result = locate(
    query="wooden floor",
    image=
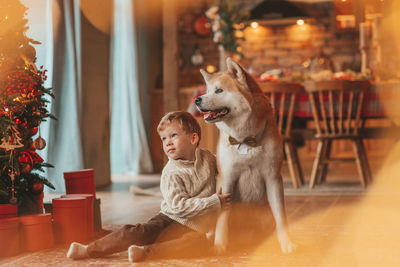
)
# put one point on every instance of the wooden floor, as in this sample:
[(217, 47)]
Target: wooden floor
[(335, 224)]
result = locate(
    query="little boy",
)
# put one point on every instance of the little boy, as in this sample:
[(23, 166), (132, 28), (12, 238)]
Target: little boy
[(188, 188)]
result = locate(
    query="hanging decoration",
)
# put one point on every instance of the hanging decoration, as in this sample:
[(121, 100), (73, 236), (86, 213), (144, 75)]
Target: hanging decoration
[(197, 58), (13, 141), (39, 143), (13, 199)]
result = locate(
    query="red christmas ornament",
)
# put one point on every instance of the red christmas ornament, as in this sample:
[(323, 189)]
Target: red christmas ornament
[(37, 187), (26, 168), (33, 131)]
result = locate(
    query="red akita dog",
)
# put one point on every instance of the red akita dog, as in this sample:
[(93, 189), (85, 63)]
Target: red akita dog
[(250, 147)]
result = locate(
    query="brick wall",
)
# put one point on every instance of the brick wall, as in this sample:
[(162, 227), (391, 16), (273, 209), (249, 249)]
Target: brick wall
[(289, 47)]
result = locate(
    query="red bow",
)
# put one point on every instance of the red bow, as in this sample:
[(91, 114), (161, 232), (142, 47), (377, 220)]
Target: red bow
[(29, 157)]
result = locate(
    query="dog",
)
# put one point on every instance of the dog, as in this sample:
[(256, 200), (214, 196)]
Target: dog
[(249, 151)]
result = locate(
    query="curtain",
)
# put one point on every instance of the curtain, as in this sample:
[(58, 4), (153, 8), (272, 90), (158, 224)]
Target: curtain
[(129, 147), (64, 137)]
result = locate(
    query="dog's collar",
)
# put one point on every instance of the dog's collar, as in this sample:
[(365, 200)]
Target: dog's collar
[(249, 140)]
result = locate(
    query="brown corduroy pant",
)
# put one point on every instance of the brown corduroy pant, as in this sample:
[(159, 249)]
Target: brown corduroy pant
[(160, 228)]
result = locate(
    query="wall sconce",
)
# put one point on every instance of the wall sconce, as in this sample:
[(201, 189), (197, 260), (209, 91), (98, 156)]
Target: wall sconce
[(254, 24), (300, 22)]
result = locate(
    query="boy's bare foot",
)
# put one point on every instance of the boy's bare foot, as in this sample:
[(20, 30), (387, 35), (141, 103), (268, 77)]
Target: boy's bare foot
[(77, 251), (136, 253)]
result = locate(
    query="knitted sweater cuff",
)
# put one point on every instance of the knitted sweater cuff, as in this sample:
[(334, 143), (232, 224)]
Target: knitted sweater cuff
[(214, 202)]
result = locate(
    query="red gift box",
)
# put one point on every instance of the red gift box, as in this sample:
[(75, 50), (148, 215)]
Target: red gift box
[(9, 236), (36, 232), (80, 182), (89, 205), (70, 219), (8, 210)]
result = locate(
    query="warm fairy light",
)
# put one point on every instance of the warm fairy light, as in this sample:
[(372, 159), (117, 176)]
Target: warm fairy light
[(236, 57), (344, 1), (239, 34), (239, 49), (254, 24), (300, 22), (211, 68), (239, 26)]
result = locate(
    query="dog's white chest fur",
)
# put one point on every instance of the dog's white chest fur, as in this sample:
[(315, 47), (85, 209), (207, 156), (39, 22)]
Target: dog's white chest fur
[(249, 170)]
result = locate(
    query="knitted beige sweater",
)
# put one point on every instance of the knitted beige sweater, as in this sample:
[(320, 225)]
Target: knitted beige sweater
[(188, 189)]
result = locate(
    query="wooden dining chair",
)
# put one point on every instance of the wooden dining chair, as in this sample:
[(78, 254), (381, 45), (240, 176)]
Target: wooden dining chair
[(336, 108), (282, 96)]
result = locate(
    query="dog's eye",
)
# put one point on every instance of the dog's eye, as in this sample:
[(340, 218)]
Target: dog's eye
[(218, 91)]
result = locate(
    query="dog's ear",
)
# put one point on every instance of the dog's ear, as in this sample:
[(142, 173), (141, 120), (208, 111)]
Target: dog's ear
[(206, 75), (236, 71)]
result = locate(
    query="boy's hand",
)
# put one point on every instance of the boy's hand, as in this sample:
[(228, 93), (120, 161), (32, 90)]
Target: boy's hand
[(225, 199)]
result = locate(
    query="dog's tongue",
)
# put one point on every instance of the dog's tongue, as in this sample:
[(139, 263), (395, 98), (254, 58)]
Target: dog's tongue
[(207, 115)]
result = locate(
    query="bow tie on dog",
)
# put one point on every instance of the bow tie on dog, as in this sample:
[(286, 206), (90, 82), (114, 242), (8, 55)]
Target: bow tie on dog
[(243, 147), (250, 141)]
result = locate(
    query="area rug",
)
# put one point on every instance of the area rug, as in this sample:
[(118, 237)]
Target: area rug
[(319, 244), (56, 256)]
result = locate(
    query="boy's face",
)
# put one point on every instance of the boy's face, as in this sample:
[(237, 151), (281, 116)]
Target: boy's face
[(178, 144)]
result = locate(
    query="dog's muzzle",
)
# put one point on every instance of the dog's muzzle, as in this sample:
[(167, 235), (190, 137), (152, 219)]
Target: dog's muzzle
[(210, 115)]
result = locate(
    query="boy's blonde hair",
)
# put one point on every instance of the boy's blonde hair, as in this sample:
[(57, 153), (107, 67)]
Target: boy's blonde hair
[(188, 123)]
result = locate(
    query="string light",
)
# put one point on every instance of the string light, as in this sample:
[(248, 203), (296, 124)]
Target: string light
[(211, 68), (254, 24), (300, 22)]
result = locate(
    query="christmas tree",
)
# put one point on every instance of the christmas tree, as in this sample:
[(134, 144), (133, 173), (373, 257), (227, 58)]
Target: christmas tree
[(22, 108)]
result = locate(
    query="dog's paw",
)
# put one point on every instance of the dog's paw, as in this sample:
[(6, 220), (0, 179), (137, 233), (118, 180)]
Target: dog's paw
[(221, 239), (219, 249), (287, 246)]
